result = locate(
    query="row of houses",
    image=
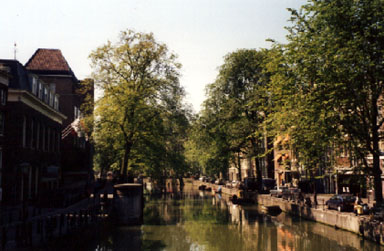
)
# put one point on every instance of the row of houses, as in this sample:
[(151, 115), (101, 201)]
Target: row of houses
[(280, 163), (43, 150)]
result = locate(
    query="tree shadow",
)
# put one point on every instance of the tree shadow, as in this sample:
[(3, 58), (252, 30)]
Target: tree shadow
[(152, 245)]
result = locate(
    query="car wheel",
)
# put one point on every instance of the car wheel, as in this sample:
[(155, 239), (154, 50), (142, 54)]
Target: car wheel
[(339, 208)]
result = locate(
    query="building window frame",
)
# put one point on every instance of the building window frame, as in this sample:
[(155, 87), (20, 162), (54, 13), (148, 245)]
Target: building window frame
[(46, 94), (51, 99), (34, 85), (32, 140), (43, 138), (41, 90), (2, 123), (56, 103), (24, 132), (37, 135), (48, 139), (3, 96)]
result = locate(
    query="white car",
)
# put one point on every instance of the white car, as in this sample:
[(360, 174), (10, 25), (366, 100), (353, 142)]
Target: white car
[(278, 191)]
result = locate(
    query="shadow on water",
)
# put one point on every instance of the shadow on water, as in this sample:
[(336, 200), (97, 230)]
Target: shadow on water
[(153, 245), (200, 221)]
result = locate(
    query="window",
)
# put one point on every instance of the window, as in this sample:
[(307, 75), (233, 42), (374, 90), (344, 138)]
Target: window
[(34, 85), (40, 90), (32, 142), (43, 139), (51, 99), (53, 143), (2, 123), (56, 106), (48, 139), (24, 132), (46, 94), (58, 141), (1, 166), (38, 136), (3, 96)]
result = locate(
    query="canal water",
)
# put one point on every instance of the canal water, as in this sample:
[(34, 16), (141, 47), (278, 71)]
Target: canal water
[(196, 220)]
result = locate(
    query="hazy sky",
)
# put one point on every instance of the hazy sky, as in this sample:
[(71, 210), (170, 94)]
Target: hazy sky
[(200, 32)]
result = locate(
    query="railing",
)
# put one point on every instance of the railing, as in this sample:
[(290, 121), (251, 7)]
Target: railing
[(37, 227)]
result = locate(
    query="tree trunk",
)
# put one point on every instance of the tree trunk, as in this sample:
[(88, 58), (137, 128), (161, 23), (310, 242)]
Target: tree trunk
[(181, 181), (124, 171), (378, 186), (377, 179), (239, 165), (259, 178)]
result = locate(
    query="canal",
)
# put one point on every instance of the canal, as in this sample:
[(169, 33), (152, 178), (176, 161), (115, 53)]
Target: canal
[(196, 220)]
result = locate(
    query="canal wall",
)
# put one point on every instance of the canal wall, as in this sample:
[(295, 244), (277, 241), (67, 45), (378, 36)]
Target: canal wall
[(362, 225), (346, 221)]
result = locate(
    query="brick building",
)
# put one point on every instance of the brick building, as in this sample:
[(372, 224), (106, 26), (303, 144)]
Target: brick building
[(32, 131), (4, 82), (76, 162)]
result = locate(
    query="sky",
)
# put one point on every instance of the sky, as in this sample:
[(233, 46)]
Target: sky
[(200, 32)]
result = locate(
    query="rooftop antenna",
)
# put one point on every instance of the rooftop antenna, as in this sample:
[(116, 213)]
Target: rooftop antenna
[(14, 50)]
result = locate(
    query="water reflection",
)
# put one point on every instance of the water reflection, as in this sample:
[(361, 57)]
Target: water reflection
[(199, 221)]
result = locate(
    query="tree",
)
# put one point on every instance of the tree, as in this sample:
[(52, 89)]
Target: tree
[(139, 80), (335, 57), (207, 150), (236, 108), (300, 111)]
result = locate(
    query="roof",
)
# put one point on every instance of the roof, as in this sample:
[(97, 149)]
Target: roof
[(19, 76), (50, 61)]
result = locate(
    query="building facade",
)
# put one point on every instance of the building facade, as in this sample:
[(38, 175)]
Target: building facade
[(32, 131), (4, 82), (76, 151)]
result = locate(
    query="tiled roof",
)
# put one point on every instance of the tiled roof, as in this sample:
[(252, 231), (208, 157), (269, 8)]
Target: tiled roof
[(48, 60)]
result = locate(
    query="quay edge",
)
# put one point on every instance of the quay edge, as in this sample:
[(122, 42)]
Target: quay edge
[(360, 225)]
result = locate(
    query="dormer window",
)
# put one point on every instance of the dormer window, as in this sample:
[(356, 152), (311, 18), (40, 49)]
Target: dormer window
[(51, 98), (46, 95), (56, 105), (40, 90), (34, 85)]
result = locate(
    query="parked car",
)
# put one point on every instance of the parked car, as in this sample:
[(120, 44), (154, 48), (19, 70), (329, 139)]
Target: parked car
[(341, 202), (278, 191), (291, 193), (267, 185)]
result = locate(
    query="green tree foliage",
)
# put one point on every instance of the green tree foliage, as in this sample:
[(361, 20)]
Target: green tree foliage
[(231, 124), (206, 149), (332, 73), (140, 119), (86, 92)]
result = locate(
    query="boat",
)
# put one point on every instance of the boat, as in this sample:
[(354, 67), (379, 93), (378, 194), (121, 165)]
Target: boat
[(271, 210), (240, 201)]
